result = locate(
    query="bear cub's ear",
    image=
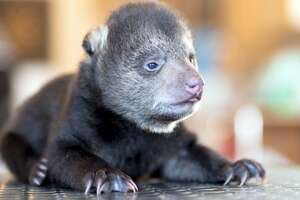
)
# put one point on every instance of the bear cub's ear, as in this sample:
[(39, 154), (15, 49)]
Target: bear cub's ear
[(95, 40)]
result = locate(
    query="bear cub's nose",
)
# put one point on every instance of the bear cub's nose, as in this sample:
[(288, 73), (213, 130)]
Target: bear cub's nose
[(194, 86)]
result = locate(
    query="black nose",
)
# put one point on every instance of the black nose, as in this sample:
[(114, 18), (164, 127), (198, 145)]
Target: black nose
[(194, 86)]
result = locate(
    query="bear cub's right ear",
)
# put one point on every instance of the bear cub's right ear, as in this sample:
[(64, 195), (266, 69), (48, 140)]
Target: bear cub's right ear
[(95, 40)]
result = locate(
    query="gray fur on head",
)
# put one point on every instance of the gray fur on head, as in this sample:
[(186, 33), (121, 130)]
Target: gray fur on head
[(134, 35)]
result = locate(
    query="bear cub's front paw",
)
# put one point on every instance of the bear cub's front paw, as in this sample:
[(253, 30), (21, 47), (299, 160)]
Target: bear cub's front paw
[(243, 170), (109, 180)]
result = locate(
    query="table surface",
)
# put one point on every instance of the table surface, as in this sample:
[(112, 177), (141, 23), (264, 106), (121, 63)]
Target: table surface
[(283, 183)]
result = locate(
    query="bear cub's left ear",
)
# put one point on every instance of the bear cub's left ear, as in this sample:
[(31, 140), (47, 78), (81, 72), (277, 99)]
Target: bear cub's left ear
[(95, 40)]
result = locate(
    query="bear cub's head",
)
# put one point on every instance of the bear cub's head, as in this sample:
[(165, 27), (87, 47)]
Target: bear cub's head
[(146, 66)]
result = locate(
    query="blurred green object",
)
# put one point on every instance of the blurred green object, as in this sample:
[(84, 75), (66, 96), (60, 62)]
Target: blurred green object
[(279, 85)]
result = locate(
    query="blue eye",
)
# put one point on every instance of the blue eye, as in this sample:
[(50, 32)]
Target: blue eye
[(152, 66)]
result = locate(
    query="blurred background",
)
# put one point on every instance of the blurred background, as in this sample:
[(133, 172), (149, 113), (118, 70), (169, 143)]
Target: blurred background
[(248, 52)]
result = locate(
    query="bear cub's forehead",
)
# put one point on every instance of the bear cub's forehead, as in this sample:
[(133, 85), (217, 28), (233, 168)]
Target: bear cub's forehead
[(149, 17)]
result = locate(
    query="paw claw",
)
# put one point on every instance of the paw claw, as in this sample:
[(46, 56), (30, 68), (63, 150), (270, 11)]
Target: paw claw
[(36, 182), (88, 186), (108, 180), (258, 179), (44, 161), (243, 179), (243, 170), (134, 185), (38, 172), (229, 178), (100, 188)]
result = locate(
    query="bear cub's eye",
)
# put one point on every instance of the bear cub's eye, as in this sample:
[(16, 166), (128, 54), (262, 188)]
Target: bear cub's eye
[(192, 59), (154, 65)]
